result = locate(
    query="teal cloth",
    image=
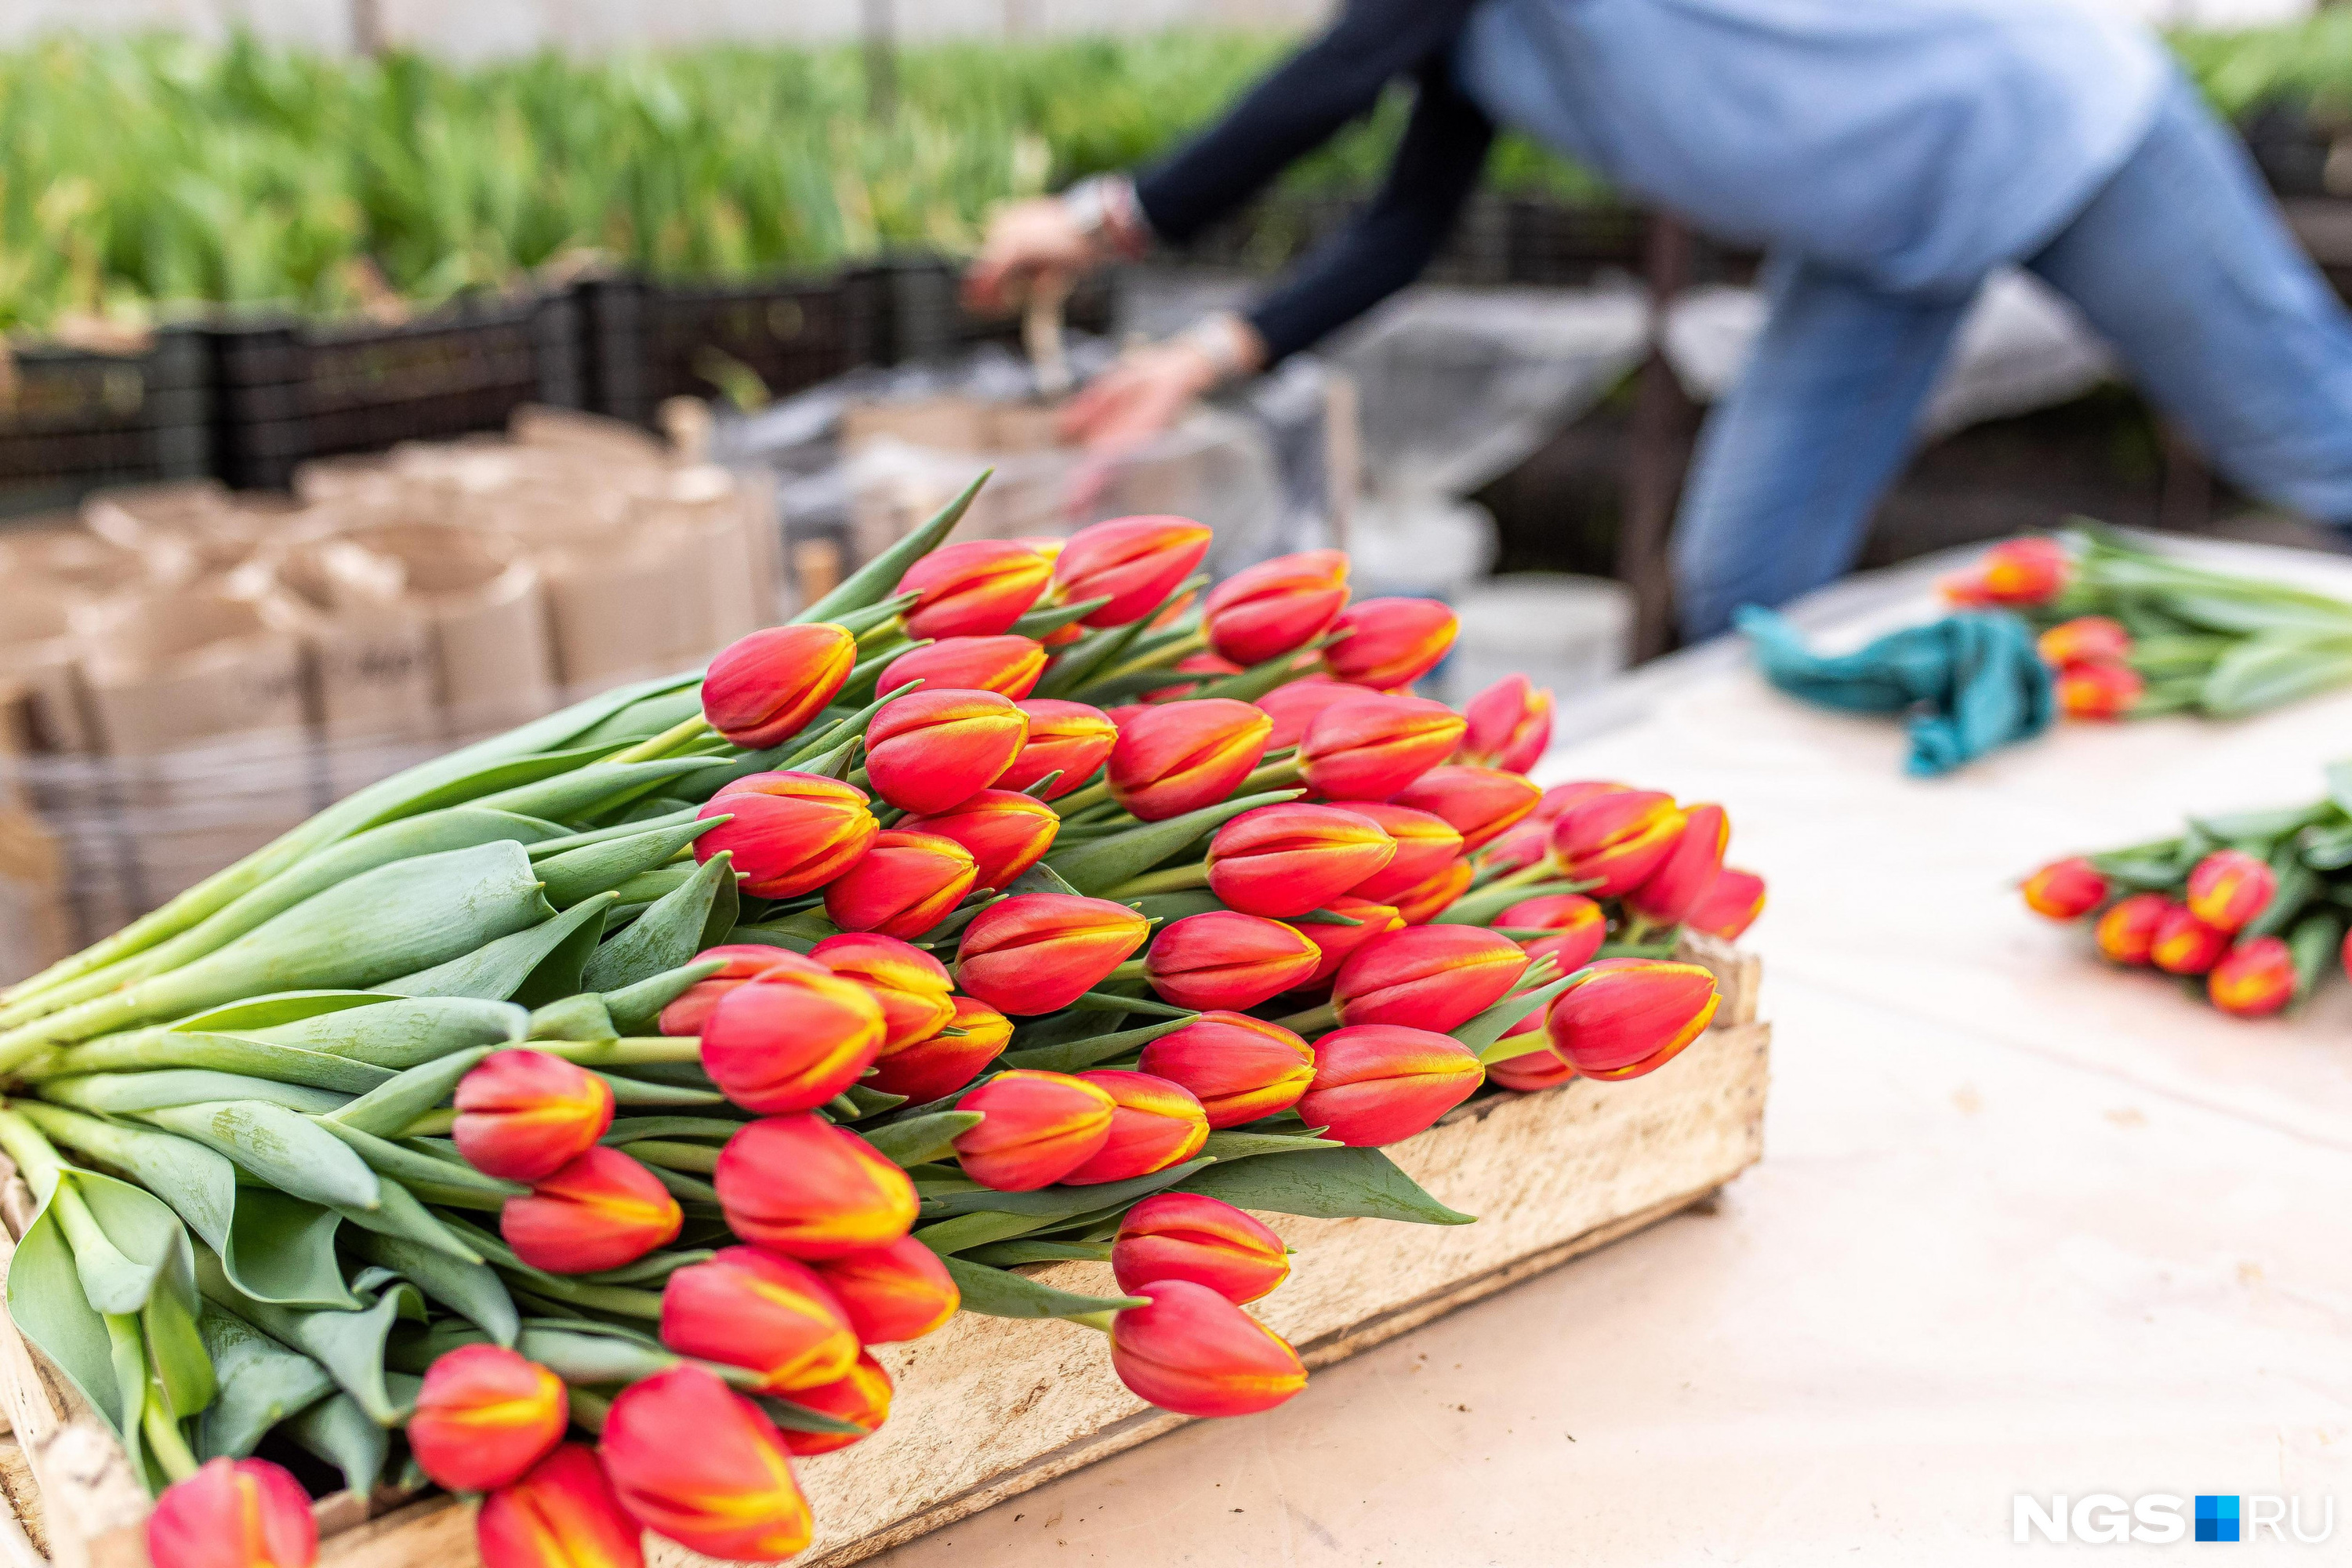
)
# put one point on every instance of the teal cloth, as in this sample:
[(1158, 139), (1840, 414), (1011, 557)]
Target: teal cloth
[(1971, 682)]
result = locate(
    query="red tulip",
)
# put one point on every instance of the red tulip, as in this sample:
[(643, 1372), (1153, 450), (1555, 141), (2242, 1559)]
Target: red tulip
[(1196, 1353), (523, 1115), (1425, 843), (1539, 1070), (1005, 665), (1424, 902), (1730, 906), (694, 1461), (484, 1415), (1511, 725), (2127, 933), (2065, 890), (1427, 977), (1277, 606), (1616, 839), (1371, 746), (2017, 572), (790, 1041), (1005, 831), (2085, 639), (1582, 925), (862, 1398), (1560, 797), (1153, 1124), (1068, 738), (1227, 959), (901, 1291), (932, 749), (939, 1063), (1381, 1083), (908, 985), (1294, 706), (234, 1513), (809, 1190), (599, 1211), (792, 833), (1521, 846), (905, 884), (1171, 760), (2185, 944), (751, 1309), (1689, 870), (1334, 944), (1040, 1127), (1038, 952), (1287, 859), (977, 587), (2254, 979), (1183, 1236), (2099, 691), (762, 689), (1480, 804), (1626, 1016), (1389, 643), (1239, 1068), (2229, 888), (562, 1514), (1136, 561), (743, 960)]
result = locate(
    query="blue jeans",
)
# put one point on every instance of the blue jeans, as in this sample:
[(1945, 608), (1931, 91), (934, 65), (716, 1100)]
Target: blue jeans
[(2180, 262)]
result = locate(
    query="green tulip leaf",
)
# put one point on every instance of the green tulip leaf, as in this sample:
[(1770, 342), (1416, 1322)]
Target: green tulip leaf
[(879, 578), (1000, 1293), (472, 1291), (349, 1345), (279, 1147), (923, 1139), (145, 1049), (1329, 1184), (339, 1431), (1228, 1146), (1105, 863), (794, 1417), (668, 935), (635, 1009), (399, 1032), (499, 970), (1485, 1032), (1059, 1202), (1076, 1055), (121, 1093), (261, 1384), (388, 1109)]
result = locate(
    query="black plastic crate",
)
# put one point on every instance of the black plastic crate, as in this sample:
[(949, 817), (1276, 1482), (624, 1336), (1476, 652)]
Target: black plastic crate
[(73, 421), (289, 391), (648, 341), (917, 315), (1556, 244)]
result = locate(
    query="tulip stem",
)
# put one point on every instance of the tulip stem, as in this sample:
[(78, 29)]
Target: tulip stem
[(624, 1052), (1160, 658), (1322, 1017), (1520, 878), (662, 744), (432, 1124), (1098, 1321), (589, 1409), (164, 1439), (1133, 969), (1078, 800), (675, 1156), (1274, 775), (1173, 880)]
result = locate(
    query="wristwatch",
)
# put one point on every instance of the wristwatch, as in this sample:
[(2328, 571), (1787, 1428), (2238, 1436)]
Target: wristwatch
[(1104, 209)]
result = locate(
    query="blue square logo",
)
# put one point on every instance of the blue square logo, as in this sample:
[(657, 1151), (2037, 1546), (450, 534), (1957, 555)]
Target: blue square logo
[(2217, 1518)]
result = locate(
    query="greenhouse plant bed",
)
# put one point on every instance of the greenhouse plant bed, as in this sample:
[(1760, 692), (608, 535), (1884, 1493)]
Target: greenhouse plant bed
[(989, 1407), (73, 421)]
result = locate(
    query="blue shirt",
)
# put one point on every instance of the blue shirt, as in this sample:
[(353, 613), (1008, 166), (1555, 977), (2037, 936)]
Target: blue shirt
[(1915, 143)]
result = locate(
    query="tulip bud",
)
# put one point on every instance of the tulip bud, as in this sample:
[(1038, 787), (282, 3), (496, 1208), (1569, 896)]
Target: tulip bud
[(905, 885), (2229, 888), (978, 587), (930, 750), (1389, 643), (1040, 1127), (1560, 797), (1038, 952), (1730, 906), (2254, 979), (1287, 859), (908, 985), (1136, 561), (1616, 839), (1582, 925), (2017, 572), (1511, 725), (1005, 665), (1293, 707), (1371, 746), (2185, 944), (1419, 905), (1005, 831), (1239, 1068), (1227, 959), (752, 1308), (901, 1291), (1196, 1353), (1425, 843), (1171, 760), (599, 1211), (743, 960), (1154, 1124), (2127, 933), (1277, 606), (809, 1190), (790, 1041), (1545, 1069), (234, 1513), (484, 1415), (1183, 1236), (561, 1514), (1626, 1016), (1067, 738), (694, 1461), (2065, 890), (862, 1398), (1480, 804), (1334, 944), (2098, 690), (792, 833), (1381, 1083), (762, 689), (939, 1063), (522, 1114), (1427, 977), (1689, 870), (1526, 845), (2085, 639)]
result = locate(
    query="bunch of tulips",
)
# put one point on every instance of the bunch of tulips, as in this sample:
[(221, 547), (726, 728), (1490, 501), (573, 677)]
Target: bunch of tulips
[(2128, 633), (565, 1121), (2251, 906)]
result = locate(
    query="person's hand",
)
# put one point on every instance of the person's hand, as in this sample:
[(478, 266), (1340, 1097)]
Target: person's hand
[(1024, 239), (1139, 396)]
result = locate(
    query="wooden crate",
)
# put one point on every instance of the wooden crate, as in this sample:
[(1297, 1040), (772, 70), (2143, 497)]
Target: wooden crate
[(989, 1407)]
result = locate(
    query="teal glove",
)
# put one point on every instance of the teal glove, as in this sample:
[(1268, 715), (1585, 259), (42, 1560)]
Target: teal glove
[(1971, 682)]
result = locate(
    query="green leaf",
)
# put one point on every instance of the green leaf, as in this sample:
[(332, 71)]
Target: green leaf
[(498, 970), (148, 1049), (585, 791), (349, 1345), (2262, 828), (1040, 879), (1107, 862), (1000, 1293), (1476, 909), (1011, 1254), (1331, 1183), (635, 1009), (2269, 670), (1038, 625), (665, 936), (398, 1033), (2315, 942), (879, 578), (1484, 1033), (638, 1090), (279, 1147), (1228, 1146), (794, 1417), (119, 1093), (1060, 1203), (970, 1230), (1076, 1055), (405, 1165), (46, 1304), (924, 1138), (400, 1214), (387, 1110), (1165, 908), (472, 1291), (261, 1384), (339, 1431)]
